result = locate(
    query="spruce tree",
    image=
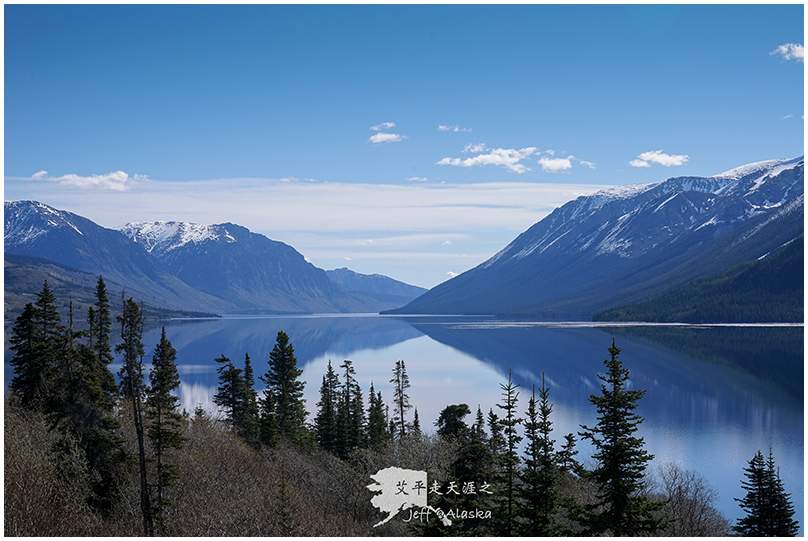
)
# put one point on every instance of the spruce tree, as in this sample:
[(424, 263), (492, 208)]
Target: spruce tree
[(768, 507), (28, 365), (566, 456), (350, 412), (165, 424), (377, 432), (230, 393), (401, 400), (38, 342), (450, 422), (540, 476), (284, 413), (325, 422), (132, 387), (620, 509), (507, 478), (248, 416)]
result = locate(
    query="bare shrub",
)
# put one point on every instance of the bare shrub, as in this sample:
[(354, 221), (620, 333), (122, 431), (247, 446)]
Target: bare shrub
[(45, 480), (689, 504)]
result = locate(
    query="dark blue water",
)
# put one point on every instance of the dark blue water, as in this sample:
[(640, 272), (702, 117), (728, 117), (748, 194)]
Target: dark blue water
[(715, 395)]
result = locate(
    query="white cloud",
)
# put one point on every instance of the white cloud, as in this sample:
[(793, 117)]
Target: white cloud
[(452, 274), (383, 126), (393, 229), (587, 164), (791, 51), (479, 147), (454, 128), (386, 138), (447, 243), (787, 117), (554, 165), (117, 180), (506, 157), (657, 156), (296, 179), (417, 179)]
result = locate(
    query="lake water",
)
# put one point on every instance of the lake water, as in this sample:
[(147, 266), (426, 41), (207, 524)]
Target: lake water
[(715, 394)]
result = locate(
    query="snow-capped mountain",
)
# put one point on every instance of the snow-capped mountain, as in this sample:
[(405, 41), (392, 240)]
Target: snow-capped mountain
[(222, 268), (37, 230), (625, 244), (246, 268)]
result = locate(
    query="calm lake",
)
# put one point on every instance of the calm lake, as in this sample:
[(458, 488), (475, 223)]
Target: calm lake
[(715, 394)]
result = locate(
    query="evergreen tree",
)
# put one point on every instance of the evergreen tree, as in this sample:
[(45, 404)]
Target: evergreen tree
[(769, 511), (566, 456), (29, 366), (496, 442), (82, 402), (38, 341), (100, 319), (230, 393), (377, 432), (478, 428), (621, 460), (450, 421), (325, 423), (507, 478), (416, 424), (540, 475), (131, 375), (401, 400), (452, 428), (284, 413), (165, 423), (350, 415), (62, 377), (247, 421)]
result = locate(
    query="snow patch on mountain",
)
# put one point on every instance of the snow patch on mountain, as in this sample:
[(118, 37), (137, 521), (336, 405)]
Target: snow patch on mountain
[(163, 237), (26, 221)]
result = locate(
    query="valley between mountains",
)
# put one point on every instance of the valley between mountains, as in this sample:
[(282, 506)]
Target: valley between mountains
[(701, 249)]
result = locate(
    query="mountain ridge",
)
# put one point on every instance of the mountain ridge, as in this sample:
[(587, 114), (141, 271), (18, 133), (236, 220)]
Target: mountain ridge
[(219, 268), (565, 265)]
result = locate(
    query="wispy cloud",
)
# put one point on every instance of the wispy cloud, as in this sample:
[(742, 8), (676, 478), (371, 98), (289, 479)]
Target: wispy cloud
[(116, 180), (386, 138), (657, 156), (791, 51), (417, 179), (559, 165), (383, 137), (454, 128), (555, 165), (505, 157), (399, 226), (474, 148), (383, 126)]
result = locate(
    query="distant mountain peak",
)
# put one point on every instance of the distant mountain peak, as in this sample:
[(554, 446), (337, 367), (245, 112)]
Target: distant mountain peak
[(27, 221), (161, 237), (630, 241)]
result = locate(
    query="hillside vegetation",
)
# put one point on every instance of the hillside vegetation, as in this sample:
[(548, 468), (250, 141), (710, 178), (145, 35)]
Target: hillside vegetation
[(769, 290)]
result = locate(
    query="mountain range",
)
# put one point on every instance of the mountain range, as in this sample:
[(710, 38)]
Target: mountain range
[(628, 244), (609, 250), (175, 266)]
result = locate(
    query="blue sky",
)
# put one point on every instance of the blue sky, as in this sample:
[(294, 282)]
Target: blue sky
[(412, 141)]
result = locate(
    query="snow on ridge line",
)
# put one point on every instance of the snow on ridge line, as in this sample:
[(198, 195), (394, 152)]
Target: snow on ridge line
[(750, 168), (166, 236)]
